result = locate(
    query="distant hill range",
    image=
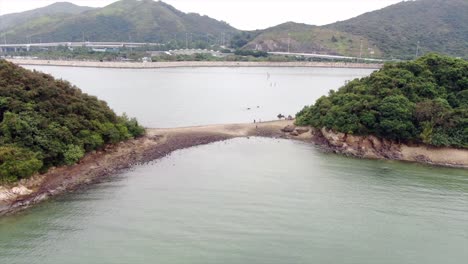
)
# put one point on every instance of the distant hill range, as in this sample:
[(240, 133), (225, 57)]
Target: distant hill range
[(125, 20), (57, 11), (394, 31), (438, 25), (400, 30)]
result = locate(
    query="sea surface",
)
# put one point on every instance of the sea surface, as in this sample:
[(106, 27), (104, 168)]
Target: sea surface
[(246, 200), (201, 96)]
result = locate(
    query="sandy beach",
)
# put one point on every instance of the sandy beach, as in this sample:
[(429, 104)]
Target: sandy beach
[(181, 64), (157, 143)]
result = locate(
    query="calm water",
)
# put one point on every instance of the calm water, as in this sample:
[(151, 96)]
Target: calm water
[(252, 201), (245, 200), (201, 96)]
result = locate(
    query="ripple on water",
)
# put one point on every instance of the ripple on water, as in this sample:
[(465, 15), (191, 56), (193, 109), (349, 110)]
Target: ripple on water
[(252, 201)]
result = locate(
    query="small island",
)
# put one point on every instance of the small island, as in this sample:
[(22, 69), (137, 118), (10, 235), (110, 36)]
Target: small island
[(416, 102)]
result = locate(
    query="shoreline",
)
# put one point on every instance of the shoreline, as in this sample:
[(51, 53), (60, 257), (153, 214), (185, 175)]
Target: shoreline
[(157, 143), (189, 64)]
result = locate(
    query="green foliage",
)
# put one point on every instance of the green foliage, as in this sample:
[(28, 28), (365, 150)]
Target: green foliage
[(253, 53), (419, 101), (132, 125), (73, 154), (241, 39), (51, 123), (17, 163)]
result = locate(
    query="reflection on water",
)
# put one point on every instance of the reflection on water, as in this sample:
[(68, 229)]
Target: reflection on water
[(252, 201)]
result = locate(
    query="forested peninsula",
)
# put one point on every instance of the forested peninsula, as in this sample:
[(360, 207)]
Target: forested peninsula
[(424, 101), (46, 122)]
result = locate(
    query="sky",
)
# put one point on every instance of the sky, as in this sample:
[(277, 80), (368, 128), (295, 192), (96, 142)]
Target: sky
[(243, 14)]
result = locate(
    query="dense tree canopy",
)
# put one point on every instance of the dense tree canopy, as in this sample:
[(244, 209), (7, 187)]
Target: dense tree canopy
[(46, 122), (425, 100)]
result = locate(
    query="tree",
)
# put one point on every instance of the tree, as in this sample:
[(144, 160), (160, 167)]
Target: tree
[(17, 163)]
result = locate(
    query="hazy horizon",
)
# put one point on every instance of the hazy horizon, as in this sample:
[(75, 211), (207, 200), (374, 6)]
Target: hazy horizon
[(242, 14)]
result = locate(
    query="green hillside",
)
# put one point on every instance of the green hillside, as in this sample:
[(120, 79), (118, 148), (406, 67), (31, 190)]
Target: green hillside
[(125, 20), (60, 10), (46, 122), (438, 25), (425, 100), (392, 32), (312, 39)]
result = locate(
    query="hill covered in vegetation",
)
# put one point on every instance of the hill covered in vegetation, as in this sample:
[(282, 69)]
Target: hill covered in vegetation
[(297, 37), (57, 11), (46, 122), (437, 25), (421, 101), (392, 32), (124, 20)]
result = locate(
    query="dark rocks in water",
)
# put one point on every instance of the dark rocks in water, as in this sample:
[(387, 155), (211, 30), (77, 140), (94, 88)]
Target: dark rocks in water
[(288, 128), (302, 130), (294, 133)]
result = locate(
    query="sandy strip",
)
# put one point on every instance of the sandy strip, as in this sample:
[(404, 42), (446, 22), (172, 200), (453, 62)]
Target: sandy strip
[(180, 64), (97, 166)]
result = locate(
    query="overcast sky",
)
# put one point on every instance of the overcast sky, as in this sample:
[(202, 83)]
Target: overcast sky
[(243, 14)]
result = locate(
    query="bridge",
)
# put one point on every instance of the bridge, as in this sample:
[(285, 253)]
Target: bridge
[(324, 56), (28, 46)]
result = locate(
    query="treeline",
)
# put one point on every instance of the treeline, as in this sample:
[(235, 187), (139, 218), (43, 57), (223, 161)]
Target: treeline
[(425, 100), (47, 122)]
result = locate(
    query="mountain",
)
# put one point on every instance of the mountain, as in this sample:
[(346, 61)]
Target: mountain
[(125, 20), (394, 31), (58, 10), (311, 39), (438, 25)]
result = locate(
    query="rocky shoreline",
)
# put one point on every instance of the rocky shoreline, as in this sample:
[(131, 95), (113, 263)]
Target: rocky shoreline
[(371, 147), (157, 143)]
